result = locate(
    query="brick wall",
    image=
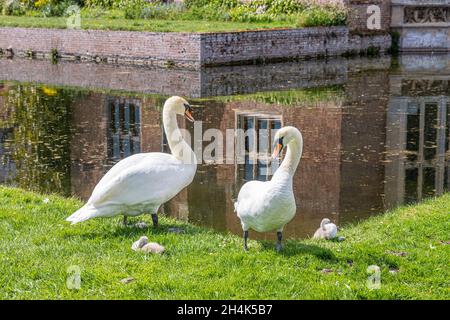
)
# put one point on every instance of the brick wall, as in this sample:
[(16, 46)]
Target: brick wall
[(122, 47), (187, 50), (253, 46), (88, 149)]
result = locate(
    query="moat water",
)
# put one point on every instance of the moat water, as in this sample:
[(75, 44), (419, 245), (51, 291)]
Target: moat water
[(376, 131)]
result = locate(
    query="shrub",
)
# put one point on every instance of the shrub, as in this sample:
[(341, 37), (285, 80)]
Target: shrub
[(57, 8), (13, 8), (321, 16), (100, 3), (224, 4)]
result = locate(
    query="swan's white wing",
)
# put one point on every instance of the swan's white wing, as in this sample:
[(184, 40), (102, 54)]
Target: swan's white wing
[(251, 198), (331, 230), (264, 206), (120, 167), (152, 178)]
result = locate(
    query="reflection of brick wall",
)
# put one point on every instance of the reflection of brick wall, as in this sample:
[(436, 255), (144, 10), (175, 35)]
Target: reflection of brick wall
[(102, 76), (4, 112), (3, 109), (89, 143), (151, 124), (363, 138)]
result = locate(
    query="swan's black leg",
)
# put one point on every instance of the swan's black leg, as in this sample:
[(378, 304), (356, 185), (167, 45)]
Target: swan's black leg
[(279, 237), (245, 240), (125, 220), (155, 219)]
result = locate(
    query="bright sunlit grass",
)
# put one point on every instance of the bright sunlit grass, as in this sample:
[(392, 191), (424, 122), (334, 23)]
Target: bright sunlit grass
[(140, 24), (410, 245)]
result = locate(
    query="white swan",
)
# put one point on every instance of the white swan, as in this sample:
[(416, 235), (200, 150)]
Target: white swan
[(270, 205), (143, 182), (327, 230)]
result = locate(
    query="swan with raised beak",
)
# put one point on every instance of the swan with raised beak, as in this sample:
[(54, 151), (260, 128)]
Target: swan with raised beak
[(144, 181), (270, 205)]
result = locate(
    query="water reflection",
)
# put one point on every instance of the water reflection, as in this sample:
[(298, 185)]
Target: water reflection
[(378, 140)]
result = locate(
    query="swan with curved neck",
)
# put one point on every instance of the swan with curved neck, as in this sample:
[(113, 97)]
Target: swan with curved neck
[(144, 181), (270, 205), (179, 148)]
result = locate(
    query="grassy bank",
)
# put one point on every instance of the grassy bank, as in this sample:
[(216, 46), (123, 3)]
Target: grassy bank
[(410, 245), (155, 25)]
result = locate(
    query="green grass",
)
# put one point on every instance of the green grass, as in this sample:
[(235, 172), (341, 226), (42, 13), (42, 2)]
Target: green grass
[(37, 247), (153, 25)]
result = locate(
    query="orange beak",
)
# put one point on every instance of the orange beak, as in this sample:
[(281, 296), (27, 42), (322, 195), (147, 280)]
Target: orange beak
[(277, 150), (188, 115)]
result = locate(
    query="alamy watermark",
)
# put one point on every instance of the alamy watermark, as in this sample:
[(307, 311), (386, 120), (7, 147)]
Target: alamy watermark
[(73, 14), (213, 146), (73, 280), (374, 280), (374, 18)]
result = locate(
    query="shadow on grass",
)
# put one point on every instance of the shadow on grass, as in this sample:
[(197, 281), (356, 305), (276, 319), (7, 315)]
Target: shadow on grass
[(128, 231), (293, 248), (107, 230)]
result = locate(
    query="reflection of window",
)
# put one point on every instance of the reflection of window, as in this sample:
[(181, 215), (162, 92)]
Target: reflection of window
[(427, 140), (256, 133), (413, 132), (430, 130), (124, 128)]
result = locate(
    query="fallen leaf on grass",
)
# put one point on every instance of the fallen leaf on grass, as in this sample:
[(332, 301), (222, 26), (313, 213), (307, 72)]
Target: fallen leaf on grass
[(326, 270), (127, 280), (397, 253), (393, 270)]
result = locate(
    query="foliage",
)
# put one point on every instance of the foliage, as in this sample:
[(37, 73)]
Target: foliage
[(46, 8), (321, 17), (13, 8), (303, 12), (37, 112), (294, 97)]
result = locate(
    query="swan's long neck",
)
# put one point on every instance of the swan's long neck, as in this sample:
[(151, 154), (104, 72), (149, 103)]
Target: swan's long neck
[(292, 158), (179, 148)]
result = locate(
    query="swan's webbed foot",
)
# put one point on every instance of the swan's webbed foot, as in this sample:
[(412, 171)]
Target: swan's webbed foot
[(245, 240), (279, 246), (155, 219)]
